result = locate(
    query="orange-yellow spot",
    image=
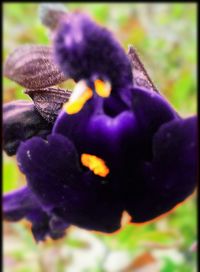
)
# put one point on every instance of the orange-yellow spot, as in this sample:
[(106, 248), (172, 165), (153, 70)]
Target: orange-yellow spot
[(102, 88), (74, 106), (95, 164), (125, 219)]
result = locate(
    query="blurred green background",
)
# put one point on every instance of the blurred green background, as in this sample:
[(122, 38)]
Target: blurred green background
[(165, 37)]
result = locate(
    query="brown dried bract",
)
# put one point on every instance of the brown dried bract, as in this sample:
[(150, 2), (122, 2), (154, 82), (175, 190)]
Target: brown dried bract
[(32, 67), (140, 75), (49, 101)]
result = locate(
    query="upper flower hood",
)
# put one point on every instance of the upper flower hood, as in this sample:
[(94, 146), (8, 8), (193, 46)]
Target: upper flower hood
[(85, 50)]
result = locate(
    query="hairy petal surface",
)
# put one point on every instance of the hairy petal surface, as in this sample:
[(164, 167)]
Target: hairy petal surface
[(85, 50)]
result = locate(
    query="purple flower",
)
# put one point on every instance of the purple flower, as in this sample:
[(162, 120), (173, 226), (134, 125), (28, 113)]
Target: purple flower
[(116, 145)]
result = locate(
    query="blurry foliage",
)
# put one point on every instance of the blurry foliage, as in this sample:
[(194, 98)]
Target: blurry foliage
[(165, 38)]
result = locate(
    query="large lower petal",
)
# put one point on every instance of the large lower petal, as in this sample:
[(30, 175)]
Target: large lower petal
[(65, 188), (50, 166)]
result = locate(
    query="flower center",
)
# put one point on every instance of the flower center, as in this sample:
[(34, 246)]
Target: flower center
[(82, 93), (95, 164)]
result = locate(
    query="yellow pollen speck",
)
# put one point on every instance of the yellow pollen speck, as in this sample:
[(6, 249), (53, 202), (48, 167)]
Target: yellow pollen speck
[(102, 88), (74, 106), (95, 164)]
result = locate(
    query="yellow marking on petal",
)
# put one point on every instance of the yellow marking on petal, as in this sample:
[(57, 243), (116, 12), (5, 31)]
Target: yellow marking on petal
[(95, 164), (125, 219), (79, 97), (102, 88), (77, 105)]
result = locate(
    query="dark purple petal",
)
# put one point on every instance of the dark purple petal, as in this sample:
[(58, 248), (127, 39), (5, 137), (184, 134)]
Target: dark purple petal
[(73, 126), (76, 195), (54, 227), (151, 111), (51, 166), (18, 204), (21, 121), (175, 148), (85, 50), (172, 175), (104, 136), (23, 204)]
